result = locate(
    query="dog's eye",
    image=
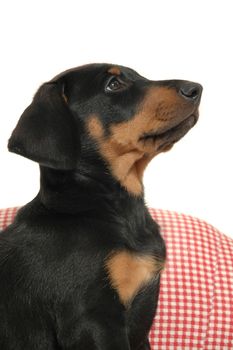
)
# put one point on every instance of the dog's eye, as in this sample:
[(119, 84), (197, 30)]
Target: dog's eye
[(114, 84)]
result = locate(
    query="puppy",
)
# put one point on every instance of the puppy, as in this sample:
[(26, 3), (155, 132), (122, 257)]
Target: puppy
[(80, 265)]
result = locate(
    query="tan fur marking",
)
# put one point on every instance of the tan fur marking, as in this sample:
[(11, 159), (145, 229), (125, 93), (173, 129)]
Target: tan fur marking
[(120, 157), (114, 71), (129, 272), (95, 128), (161, 109)]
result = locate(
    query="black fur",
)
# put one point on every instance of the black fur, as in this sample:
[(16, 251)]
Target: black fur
[(55, 291)]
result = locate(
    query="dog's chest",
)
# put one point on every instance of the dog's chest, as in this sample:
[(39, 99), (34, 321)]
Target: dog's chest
[(128, 272)]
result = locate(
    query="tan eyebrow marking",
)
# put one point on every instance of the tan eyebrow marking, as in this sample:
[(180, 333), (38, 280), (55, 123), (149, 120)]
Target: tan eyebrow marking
[(114, 71)]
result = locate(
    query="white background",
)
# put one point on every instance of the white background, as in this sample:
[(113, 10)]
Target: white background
[(161, 40)]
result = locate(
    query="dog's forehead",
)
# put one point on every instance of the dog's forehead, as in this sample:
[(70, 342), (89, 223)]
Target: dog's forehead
[(125, 71), (96, 70)]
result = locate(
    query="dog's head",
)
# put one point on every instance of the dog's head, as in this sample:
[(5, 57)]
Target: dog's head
[(105, 114)]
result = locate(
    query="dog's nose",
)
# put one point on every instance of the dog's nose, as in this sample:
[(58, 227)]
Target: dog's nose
[(191, 91)]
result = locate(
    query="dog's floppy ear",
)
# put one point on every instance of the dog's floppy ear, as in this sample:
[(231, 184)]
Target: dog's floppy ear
[(47, 132)]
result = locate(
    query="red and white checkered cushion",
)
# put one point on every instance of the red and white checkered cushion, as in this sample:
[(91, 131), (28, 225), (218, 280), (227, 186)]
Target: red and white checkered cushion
[(196, 296)]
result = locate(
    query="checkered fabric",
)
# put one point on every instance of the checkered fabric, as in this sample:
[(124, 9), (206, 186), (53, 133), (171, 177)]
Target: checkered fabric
[(196, 297)]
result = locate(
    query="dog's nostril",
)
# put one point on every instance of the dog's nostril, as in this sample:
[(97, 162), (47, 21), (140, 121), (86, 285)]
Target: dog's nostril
[(191, 90)]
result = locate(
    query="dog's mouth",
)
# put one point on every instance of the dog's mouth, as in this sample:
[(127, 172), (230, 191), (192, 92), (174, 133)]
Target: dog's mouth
[(169, 136)]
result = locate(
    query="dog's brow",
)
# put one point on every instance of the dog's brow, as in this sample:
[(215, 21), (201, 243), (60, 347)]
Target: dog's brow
[(114, 71)]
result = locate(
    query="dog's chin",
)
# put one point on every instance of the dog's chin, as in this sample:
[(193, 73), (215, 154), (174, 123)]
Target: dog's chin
[(165, 140)]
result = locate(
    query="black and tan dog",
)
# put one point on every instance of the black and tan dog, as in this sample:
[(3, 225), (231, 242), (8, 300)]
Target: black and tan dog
[(80, 265)]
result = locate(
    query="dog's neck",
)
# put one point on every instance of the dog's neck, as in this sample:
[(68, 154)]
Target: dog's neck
[(72, 192)]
